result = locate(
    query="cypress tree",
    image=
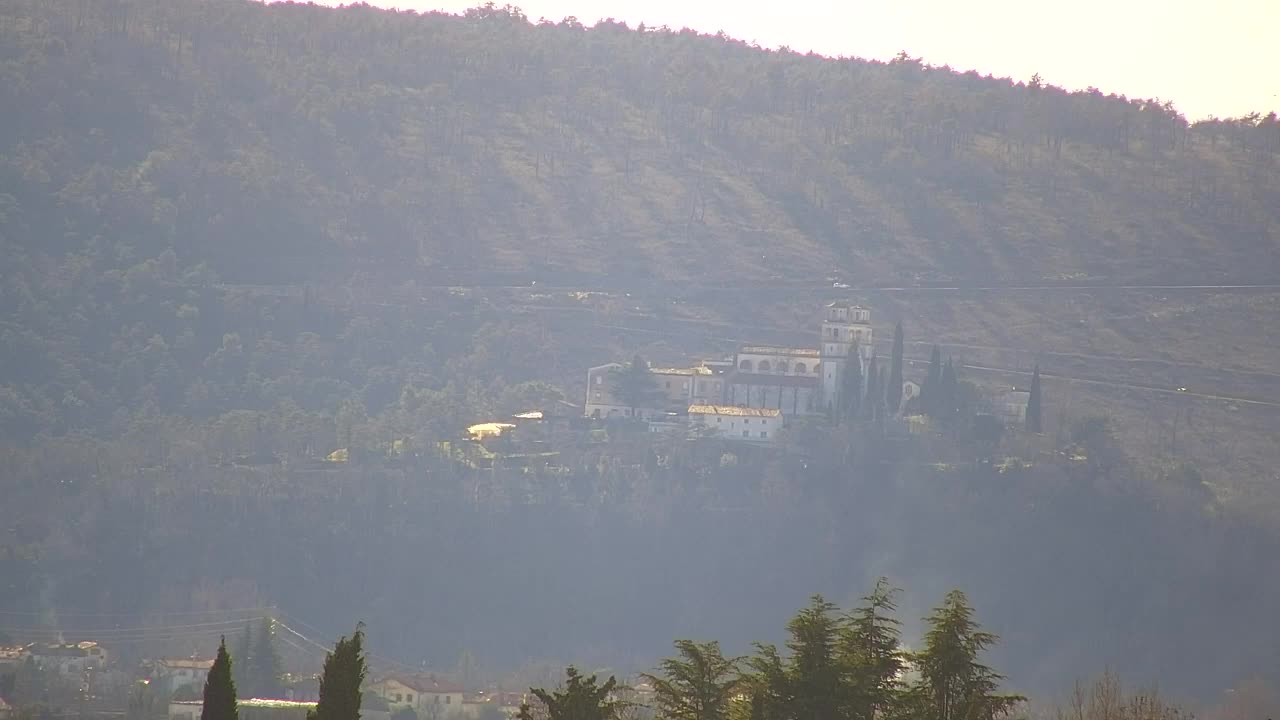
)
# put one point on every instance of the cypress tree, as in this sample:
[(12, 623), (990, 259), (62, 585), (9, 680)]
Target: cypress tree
[(220, 689), (894, 392), (875, 393), (851, 386), (1033, 404), (930, 390), (948, 396), (344, 671), (813, 673)]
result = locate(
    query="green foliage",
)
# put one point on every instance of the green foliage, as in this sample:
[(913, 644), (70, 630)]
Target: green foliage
[(636, 387), (953, 683), (344, 673), (581, 698), (220, 689), (894, 391), (698, 684), (871, 657)]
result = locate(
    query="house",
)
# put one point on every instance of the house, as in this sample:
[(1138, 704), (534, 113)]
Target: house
[(69, 658), (738, 423), (507, 703), (675, 389), (1010, 406), (258, 709), (429, 696), (171, 675)]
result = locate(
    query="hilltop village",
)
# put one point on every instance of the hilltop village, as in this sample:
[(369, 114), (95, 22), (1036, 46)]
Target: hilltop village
[(761, 389)]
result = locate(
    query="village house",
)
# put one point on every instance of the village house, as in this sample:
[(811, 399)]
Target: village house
[(69, 658), (173, 674), (429, 696), (1011, 406), (507, 703), (737, 423)]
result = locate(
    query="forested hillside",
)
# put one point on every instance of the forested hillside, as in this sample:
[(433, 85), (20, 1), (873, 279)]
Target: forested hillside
[(238, 237)]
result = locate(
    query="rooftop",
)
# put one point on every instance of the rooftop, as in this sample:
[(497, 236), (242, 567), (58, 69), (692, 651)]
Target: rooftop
[(187, 663), (681, 371), (776, 350), (732, 410)]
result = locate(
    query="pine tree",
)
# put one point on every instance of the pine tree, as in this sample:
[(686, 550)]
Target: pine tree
[(580, 699), (344, 672), (699, 684), (1033, 422), (265, 669), (220, 689), (953, 684), (894, 392), (767, 685), (813, 672), (871, 657), (636, 387)]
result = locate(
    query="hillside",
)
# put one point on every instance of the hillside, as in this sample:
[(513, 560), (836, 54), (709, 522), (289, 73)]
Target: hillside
[(240, 236)]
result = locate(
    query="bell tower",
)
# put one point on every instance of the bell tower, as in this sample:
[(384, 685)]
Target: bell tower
[(844, 327)]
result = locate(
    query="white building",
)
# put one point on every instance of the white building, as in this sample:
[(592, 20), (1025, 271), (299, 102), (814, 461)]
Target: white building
[(69, 658), (429, 696), (738, 423), (179, 673), (844, 327)]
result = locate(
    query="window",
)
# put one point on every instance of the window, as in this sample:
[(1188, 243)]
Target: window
[(448, 699), (782, 366), (763, 366), (746, 433), (408, 697), (764, 434), (745, 365), (801, 369), (668, 384), (397, 697), (717, 420), (599, 379)]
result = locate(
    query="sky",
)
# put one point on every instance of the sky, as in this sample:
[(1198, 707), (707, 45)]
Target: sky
[(1210, 57)]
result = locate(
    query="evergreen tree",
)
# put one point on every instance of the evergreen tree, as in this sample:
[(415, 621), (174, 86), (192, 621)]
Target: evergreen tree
[(265, 671), (871, 403), (220, 689), (344, 672), (871, 657), (893, 396), (813, 672), (851, 386), (767, 686), (953, 683), (580, 699), (949, 391), (636, 387), (699, 684), (1033, 422), (244, 662), (929, 391)]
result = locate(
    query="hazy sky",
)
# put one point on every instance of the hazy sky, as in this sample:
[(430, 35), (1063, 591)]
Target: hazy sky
[(1211, 57)]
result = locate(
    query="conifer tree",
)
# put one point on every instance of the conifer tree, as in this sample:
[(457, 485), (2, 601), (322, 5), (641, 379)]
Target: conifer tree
[(949, 392), (930, 390), (580, 699), (953, 683), (813, 673), (875, 393), (698, 684), (871, 657), (344, 672), (851, 386), (893, 397), (220, 689), (1033, 422)]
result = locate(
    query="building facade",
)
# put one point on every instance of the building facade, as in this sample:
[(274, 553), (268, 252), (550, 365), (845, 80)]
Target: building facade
[(737, 423)]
